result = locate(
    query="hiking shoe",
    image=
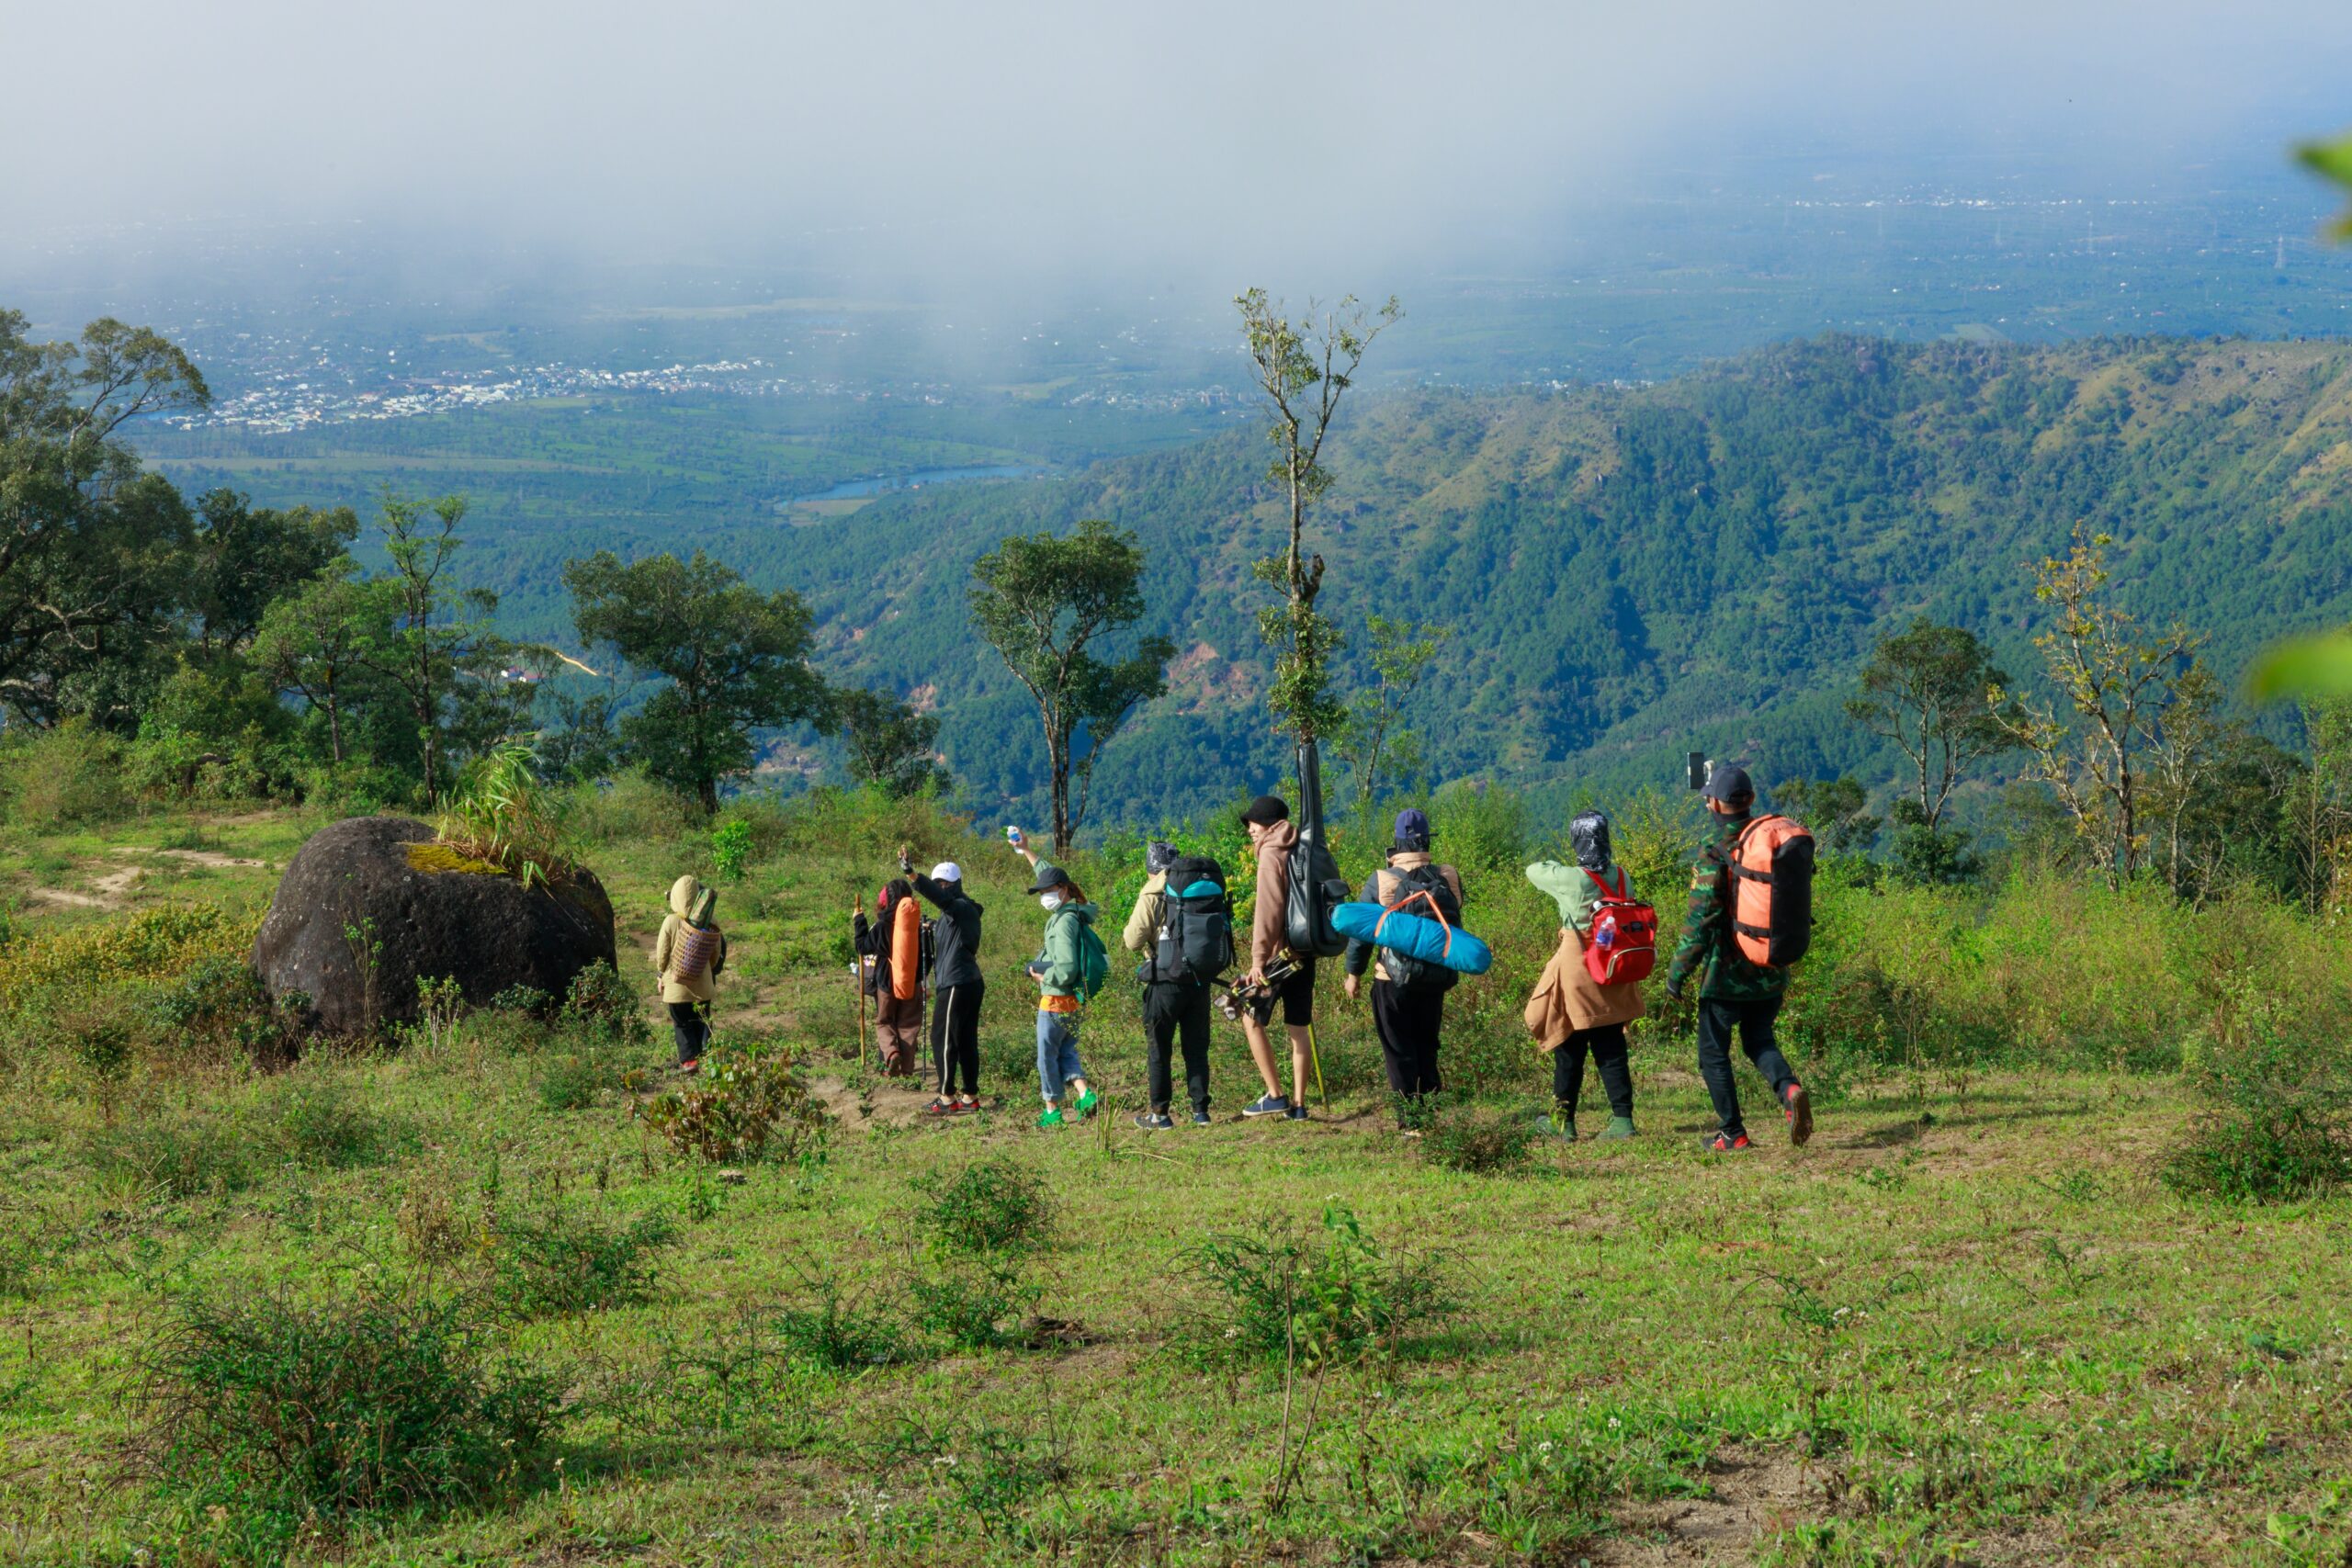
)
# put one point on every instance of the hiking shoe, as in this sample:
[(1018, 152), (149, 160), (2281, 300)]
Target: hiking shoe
[(1619, 1127), (942, 1108), (965, 1106), (1153, 1121), (1800, 1114), (1052, 1117), (1267, 1105), (1200, 1117), (1088, 1101), (1728, 1143), (1296, 1114)]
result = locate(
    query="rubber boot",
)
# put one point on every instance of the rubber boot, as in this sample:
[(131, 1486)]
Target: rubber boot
[(1562, 1124), (1619, 1127)]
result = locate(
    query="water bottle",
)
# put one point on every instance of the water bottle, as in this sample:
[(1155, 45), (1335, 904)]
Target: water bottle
[(1013, 835)]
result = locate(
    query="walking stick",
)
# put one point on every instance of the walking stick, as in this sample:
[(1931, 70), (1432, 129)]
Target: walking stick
[(1315, 1057), (857, 989)]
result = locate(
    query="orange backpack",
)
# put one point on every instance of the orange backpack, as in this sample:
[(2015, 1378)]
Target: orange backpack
[(906, 949), (1771, 888)]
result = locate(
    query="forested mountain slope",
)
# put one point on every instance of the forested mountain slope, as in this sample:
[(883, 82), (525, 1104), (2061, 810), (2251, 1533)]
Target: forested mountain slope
[(1629, 571)]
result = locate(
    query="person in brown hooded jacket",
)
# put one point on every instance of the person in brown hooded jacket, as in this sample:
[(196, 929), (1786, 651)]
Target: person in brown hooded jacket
[(1274, 836), (688, 954)]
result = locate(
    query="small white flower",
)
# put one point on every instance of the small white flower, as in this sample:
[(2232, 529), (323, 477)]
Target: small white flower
[(1612, 1423)]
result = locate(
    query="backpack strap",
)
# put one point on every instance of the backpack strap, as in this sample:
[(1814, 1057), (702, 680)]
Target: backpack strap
[(1739, 846), (1436, 913), (1618, 892)]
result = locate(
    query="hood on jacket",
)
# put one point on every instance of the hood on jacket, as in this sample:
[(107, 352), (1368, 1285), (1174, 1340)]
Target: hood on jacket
[(1085, 912), (1588, 837), (690, 900), (1282, 837)]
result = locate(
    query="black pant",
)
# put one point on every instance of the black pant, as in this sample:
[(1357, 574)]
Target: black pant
[(1607, 1047), (1754, 1023), (690, 1027), (955, 1036), (1174, 1009), (1407, 1019)]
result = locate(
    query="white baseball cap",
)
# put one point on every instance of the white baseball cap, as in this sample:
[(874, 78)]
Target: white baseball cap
[(948, 871)]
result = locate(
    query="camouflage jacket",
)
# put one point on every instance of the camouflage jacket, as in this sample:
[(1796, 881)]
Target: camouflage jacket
[(1707, 948)]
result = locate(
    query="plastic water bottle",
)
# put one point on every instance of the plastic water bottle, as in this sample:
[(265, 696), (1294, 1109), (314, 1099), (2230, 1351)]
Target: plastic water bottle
[(1013, 835)]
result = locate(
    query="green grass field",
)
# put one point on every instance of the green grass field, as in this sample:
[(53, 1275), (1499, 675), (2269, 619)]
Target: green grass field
[(1967, 1325)]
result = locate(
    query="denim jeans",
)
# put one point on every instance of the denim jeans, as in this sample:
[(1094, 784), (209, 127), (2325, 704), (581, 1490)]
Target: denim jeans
[(1754, 1023), (1056, 1054)]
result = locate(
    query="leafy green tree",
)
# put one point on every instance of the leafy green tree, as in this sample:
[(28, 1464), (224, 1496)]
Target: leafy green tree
[(1928, 855), (92, 549), (584, 742), (891, 746), (438, 652), (1303, 368), (1924, 689), (246, 558), (2117, 685), (319, 643), (1043, 601), (1376, 742), (1838, 810), (735, 660)]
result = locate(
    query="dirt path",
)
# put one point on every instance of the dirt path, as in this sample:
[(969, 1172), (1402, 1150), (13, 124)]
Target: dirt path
[(1755, 1489)]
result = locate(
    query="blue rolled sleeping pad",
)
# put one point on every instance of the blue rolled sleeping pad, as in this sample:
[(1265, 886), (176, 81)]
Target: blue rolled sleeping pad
[(1415, 936)]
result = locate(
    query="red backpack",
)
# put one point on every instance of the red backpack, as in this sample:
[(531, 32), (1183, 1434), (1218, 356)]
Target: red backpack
[(1621, 947)]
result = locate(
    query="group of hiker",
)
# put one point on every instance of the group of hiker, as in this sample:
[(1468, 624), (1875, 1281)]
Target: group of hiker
[(1746, 922)]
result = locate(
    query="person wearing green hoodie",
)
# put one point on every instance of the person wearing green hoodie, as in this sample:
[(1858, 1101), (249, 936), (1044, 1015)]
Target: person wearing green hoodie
[(1060, 969), (1596, 1014)]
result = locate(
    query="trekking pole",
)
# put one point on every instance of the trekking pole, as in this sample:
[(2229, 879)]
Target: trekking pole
[(1315, 1058), (857, 990)]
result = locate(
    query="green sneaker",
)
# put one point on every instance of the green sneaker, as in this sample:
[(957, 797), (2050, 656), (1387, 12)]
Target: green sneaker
[(1052, 1117), (1088, 1101), (1619, 1127)]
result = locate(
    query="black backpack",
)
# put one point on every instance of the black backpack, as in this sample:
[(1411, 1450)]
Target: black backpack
[(1404, 971), (1194, 941), (1316, 885)]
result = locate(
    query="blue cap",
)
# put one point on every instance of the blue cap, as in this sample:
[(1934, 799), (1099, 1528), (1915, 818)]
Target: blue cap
[(1412, 830)]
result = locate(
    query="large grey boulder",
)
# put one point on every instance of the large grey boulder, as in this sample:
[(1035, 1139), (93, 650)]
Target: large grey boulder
[(489, 932)]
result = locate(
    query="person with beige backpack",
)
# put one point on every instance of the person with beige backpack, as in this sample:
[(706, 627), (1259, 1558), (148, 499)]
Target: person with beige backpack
[(1592, 987)]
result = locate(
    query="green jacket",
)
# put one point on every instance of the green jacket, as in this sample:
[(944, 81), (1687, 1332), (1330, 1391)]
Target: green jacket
[(1573, 888), (1061, 965), (1707, 943)]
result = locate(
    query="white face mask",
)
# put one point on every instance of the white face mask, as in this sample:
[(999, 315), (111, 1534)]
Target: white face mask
[(1051, 900)]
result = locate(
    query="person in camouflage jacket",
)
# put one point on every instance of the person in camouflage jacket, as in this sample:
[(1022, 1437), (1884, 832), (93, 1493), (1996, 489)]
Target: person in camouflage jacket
[(1734, 994)]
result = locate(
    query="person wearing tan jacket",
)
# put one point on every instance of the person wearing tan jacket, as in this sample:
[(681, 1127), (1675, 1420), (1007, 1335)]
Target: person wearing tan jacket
[(1274, 836), (1407, 1008), (1573, 1015), (688, 954)]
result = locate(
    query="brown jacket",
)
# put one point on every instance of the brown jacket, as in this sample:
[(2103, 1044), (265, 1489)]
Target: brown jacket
[(1268, 924), (1568, 998)]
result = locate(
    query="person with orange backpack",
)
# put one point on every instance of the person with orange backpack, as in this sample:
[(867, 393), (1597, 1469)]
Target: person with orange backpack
[(891, 947), (1750, 917), (1592, 987)]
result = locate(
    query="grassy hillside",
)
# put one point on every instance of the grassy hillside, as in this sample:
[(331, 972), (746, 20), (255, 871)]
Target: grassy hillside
[(1630, 572), (1971, 1322)]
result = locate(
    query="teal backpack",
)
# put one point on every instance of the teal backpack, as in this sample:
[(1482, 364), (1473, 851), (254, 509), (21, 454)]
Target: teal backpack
[(1093, 962)]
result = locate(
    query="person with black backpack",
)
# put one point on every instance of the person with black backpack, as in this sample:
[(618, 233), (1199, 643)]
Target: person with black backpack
[(957, 984), (1409, 994), (1182, 924)]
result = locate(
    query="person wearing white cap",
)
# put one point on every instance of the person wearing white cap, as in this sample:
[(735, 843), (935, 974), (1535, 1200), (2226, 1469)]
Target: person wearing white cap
[(955, 982)]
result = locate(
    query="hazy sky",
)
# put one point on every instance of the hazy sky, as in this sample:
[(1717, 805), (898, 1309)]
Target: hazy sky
[(1034, 134)]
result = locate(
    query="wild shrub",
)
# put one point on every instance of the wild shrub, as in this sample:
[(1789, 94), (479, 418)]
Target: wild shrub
[(176, 1155), (2278, 1124), (559, 1261), (576, 1081), (748, 1100), (155, 944), (998, 1204), (504, 816), (731, 850), (1478, 1139), (68, 774), (968, 1305), (1279, 1296), (528, 1000), (633, 808), (322, 1124), (260, 1412), (219, 1008), (837, 1332), (601, 1000)]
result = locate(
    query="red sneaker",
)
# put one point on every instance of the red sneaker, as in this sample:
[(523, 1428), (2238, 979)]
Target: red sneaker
[(1800, 1114), (940, 1107), (1722, 1144)]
